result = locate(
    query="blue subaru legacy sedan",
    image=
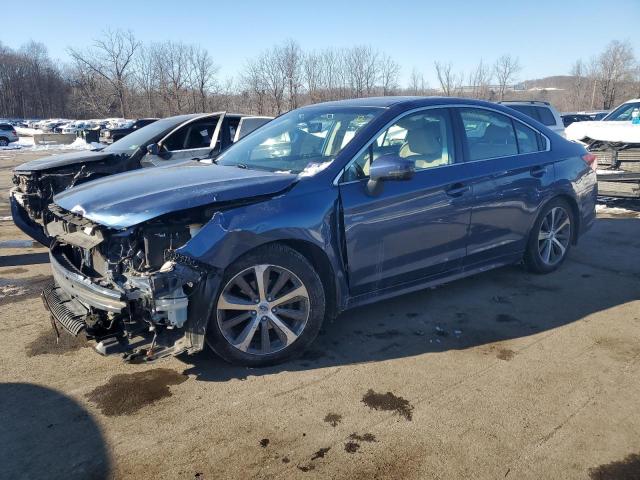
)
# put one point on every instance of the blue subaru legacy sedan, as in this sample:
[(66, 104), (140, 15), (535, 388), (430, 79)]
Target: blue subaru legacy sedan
[(325, 208)]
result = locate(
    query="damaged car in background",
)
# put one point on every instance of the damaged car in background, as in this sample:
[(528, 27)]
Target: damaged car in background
[(169, 141), (615, 141), (323, 209)]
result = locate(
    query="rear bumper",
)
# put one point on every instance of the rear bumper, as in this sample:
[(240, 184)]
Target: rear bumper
[(24, 222)]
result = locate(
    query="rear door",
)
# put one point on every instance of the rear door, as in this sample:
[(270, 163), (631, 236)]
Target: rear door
[(412, 229), (510, 172), (194, 139)]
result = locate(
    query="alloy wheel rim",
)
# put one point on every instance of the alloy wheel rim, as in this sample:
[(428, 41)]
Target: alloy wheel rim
[(263, 309), (554, 236)]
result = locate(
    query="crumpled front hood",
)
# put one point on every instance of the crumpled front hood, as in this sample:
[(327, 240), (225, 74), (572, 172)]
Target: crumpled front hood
[(62, 160), (130, 198), (624, 132)]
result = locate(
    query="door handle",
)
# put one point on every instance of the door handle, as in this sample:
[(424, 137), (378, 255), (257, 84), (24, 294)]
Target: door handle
[(457, 190), (538, 171)]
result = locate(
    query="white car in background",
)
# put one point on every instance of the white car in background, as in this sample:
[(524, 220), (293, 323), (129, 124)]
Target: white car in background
[(615, 141), (540, 111), (77, 126)]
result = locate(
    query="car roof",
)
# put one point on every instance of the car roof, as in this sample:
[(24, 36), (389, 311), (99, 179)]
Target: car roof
[(392, 101)]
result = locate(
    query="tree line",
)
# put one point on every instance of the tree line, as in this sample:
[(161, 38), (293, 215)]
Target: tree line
[(118, 75)]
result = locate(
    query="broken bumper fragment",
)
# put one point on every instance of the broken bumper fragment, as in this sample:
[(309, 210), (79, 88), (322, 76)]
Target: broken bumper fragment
[(144, 319)]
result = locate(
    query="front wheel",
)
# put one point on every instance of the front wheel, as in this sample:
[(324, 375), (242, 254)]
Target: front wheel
[(270, 307), (551, 236)]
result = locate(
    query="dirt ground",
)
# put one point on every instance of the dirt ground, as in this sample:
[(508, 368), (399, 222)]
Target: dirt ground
[(503, 375)]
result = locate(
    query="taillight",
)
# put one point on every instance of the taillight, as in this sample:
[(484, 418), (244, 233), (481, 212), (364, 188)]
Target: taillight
[(591, 160)]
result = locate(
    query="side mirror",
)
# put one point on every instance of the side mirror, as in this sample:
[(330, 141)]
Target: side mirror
[(391, 167), (153, 149), (388, 167)]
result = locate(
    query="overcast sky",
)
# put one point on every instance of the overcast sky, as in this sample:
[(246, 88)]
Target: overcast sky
[(547, 36)]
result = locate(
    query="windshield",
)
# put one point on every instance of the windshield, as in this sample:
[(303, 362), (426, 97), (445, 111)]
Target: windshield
[(623, 112), (302, 140), (144, 135)]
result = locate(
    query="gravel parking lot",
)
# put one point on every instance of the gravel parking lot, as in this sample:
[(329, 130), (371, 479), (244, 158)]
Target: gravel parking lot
[(503, 375)]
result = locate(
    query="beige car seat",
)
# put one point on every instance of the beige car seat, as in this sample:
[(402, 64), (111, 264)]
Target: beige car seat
[(424, 146)]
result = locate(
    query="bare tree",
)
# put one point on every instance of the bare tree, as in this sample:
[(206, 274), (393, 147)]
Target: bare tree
[(389, 74), (290, 59), (479, 81), (145, 77), (450, 82), (505, 70), (417, 85), (255, 86), (110, 58), (203, 72), (312, 75), (614, 66)]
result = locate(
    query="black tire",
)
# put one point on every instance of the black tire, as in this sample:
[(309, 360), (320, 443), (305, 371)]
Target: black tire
[(279, 256), (3, 142), (533, 258)]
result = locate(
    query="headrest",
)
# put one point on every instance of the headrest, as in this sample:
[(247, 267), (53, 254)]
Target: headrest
[(424, 140)]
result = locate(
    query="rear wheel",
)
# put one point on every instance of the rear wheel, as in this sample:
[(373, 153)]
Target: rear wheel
[(270, 307), (4, 142), (550, 239)]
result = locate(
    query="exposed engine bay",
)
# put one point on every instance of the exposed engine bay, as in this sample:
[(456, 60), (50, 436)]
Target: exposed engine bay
[(133, 290), (34, 190)]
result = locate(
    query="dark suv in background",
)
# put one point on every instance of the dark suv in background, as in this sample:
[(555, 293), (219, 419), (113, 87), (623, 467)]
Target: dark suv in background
[(109, 135)]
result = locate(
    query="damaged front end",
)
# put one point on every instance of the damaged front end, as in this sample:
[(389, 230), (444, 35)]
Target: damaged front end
[(618, 167), (128, 289)]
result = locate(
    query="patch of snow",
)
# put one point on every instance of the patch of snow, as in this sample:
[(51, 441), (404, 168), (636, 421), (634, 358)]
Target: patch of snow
[(313, 168), (11, 290), (609, 172), (607, 210), (6, 219), (605, 131), (27, 132), (26, 143)]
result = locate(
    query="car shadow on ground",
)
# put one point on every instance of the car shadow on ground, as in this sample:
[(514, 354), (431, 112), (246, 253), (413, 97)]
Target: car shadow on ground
[(484, 311), (45, 434)]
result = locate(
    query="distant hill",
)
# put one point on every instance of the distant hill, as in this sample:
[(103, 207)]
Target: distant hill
[(561, 82)]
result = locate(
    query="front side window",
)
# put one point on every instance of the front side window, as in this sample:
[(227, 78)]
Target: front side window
[(489, 134), (425, 138), (193, 135), (302, 141)]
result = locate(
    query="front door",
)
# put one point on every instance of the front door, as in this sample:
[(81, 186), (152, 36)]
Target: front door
[(411, 229)]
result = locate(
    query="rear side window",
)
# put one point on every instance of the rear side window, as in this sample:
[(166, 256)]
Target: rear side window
[(546, 117), (527, 110), (5, 126), (488, 134), (529, 140)]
